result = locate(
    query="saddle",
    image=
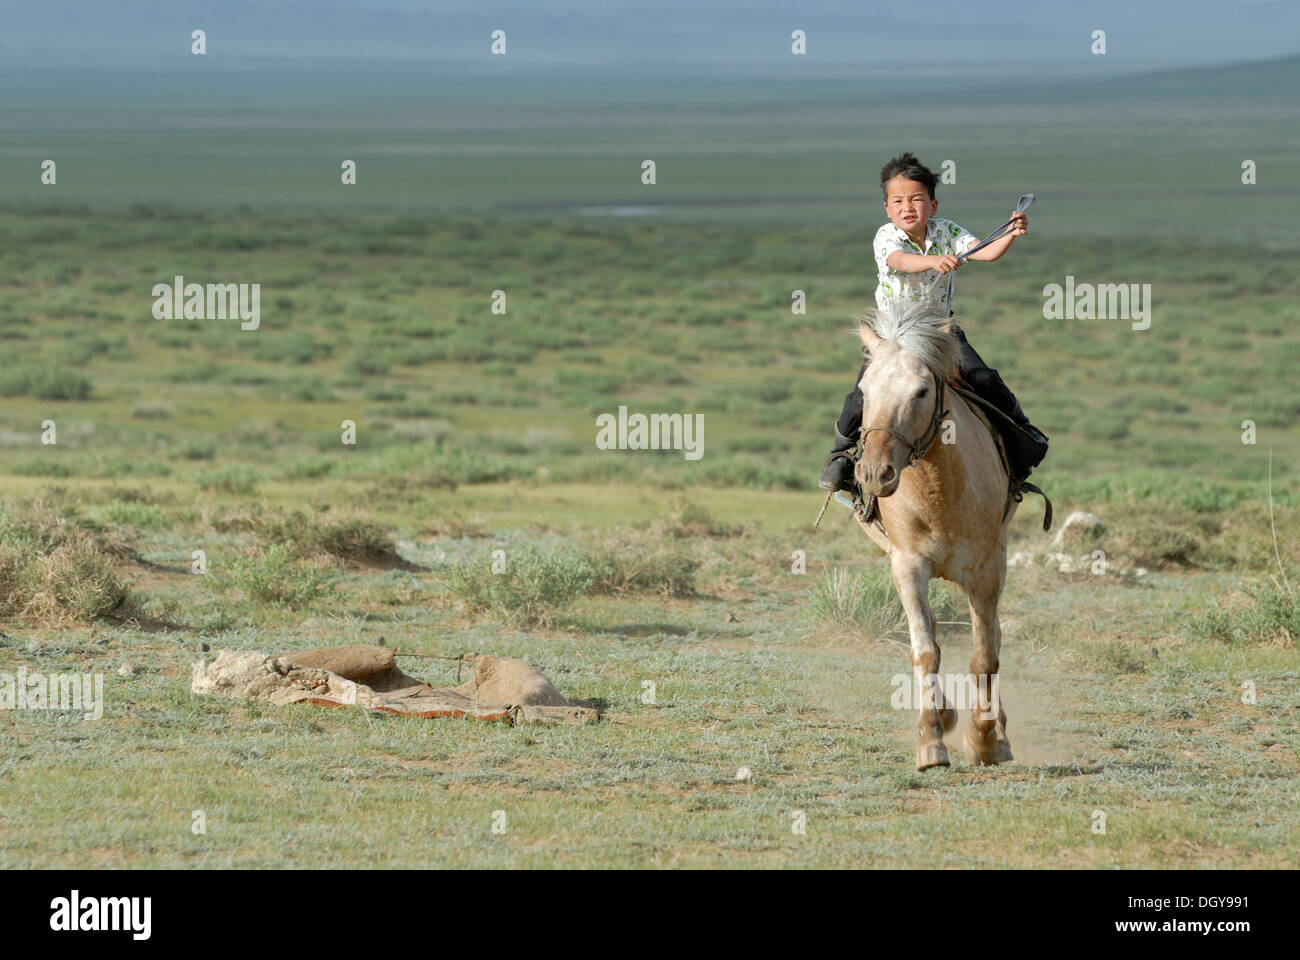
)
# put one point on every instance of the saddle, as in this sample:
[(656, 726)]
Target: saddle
[(1019, 450)]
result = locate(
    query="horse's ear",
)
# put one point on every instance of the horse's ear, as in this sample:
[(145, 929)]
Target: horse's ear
[(870, 341)]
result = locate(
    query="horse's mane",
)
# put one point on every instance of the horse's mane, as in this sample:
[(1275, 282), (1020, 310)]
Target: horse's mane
[(920, 328)]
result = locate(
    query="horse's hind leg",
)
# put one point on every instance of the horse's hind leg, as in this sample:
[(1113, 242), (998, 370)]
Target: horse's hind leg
[(986, 737), (912, 579)]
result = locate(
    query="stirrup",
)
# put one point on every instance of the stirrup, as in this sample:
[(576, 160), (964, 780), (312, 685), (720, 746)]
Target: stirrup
[(865, 513), (1016, 494)]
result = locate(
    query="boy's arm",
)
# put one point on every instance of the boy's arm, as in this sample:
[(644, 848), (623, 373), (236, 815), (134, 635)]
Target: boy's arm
[(904, 262), (1019, 227)]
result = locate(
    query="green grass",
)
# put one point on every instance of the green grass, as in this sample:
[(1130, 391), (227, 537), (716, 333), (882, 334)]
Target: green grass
[(1112, 705), (1137, 411)]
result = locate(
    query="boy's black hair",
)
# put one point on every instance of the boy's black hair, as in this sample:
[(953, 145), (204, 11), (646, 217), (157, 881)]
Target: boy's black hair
[(909, 168)]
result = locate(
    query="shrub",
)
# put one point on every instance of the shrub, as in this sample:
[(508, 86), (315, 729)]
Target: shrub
[(1161, 546), (368, 361), (233, 479), (44, 382), (1261, 611), (688, 519), (45, 467), (866, 599), (115, 465), (140, 514), (312, 468), (275, 576), (52, 569), (196, 449), (77, 578), (346, 538), (526, 592), (667, 572)]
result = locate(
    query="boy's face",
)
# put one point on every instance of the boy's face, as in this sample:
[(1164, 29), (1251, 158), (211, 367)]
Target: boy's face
[(908, 205)]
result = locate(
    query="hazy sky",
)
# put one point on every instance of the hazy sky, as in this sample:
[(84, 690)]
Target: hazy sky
[(677, 34)]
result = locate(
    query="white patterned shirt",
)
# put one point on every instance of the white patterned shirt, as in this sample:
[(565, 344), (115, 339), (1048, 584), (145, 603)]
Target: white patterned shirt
[(941, 236)]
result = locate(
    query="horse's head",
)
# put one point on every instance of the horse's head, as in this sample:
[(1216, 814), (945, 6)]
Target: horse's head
[(911, 350)]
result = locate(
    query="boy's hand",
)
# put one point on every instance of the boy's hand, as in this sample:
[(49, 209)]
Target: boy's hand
[(1019, 224), (945, 263)]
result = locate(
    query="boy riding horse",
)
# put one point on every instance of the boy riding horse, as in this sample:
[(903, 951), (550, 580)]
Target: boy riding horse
[(911, 250)]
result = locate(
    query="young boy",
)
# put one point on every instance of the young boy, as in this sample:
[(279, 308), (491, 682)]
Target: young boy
[(911, 250)]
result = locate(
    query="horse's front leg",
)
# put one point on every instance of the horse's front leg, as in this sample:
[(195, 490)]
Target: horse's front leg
[(912, 580), (986, 738)]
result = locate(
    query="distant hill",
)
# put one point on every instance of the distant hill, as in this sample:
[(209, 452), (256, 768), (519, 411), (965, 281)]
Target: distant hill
[(1273, 81)]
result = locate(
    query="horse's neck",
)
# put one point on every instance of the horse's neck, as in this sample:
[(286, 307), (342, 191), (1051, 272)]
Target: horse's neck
[(950, 467), (947, 466)]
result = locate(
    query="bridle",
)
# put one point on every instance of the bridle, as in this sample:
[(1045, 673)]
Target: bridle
[(921, 447)]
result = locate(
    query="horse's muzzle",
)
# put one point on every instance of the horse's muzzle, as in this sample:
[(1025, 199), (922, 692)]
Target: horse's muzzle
[(879, 480)]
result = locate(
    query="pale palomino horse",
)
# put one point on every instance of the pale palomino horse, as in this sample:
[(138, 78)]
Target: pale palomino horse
[(942, 493)]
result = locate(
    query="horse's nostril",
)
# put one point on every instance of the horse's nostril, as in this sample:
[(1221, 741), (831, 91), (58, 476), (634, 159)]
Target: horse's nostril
[(887, 475)]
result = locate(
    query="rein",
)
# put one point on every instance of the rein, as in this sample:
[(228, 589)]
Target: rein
[(1024, 203), (923, 444)]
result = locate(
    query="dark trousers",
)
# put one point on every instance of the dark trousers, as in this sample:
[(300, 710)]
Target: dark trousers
[(983, 379)]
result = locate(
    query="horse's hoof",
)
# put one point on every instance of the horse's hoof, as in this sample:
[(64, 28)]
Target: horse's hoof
[(982, 752), (931, 755)]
